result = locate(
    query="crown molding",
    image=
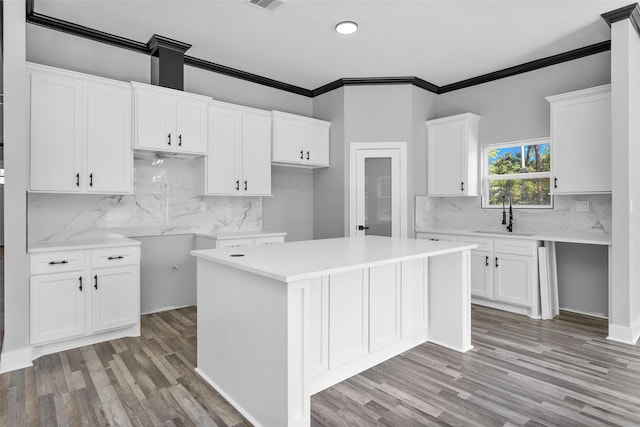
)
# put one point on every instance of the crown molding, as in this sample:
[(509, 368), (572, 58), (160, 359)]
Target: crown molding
[(632, 12)]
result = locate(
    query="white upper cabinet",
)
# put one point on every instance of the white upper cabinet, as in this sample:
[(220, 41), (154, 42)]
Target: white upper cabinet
[(80, 137), (239, 161), (581, 141), (170, 120), (452, 155), (300, 141)]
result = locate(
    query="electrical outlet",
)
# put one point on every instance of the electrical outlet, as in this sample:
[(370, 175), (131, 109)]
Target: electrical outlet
[(582, 206)]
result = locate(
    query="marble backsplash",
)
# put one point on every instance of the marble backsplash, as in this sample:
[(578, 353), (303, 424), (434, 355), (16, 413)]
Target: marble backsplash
[(466, 213), (164, 202)]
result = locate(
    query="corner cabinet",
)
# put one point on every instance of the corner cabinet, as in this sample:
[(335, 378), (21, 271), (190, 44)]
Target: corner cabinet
[(170, 120), (300, 141), (581, 141), (452, 155), (80, 133), (79, 297), (239, 152)]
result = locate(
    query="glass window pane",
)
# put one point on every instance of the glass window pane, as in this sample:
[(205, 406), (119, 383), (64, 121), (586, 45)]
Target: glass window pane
[(524, 192), (377, 196), (519, 159)]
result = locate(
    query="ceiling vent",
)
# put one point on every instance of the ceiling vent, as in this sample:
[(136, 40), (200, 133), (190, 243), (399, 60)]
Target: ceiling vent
[(270, 5)]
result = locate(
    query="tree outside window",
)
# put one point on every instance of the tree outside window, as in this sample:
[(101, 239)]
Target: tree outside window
[(522, 169)]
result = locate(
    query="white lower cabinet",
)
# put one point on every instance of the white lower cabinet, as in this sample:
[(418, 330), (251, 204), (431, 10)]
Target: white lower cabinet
[(504, 272), (214, 242), (75, 295)]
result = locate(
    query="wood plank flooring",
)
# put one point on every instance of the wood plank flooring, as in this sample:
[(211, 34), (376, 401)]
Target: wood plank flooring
[(520, 372)]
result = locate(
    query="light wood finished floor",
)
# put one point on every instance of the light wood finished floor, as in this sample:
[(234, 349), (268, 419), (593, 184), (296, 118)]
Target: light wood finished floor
[(520, 372)]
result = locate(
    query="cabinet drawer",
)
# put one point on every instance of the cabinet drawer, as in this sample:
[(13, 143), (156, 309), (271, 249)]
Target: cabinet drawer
[(483, 243), (269, 240), (516, 247), (112, 257), (234, 243), (437, 237), (56, 262)]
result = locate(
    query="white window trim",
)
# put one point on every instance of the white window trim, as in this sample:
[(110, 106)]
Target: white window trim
[(486, 177)]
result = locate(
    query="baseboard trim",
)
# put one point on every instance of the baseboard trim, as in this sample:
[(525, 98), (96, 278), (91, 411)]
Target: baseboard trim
[(625, 334), (584, 313), (229, 399), (160, 310), (16, 359)]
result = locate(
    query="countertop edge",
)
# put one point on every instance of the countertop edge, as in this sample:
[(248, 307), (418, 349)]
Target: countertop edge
[(76, 245), (560, 237)]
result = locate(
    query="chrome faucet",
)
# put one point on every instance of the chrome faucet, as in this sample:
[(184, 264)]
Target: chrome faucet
[(504, 213)]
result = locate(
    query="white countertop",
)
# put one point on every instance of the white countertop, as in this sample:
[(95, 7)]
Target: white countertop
[(72, 245), (584, 237), (240, 235), (293, 261)]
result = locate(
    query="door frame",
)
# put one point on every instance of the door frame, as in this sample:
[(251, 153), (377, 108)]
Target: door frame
[(400, 147)]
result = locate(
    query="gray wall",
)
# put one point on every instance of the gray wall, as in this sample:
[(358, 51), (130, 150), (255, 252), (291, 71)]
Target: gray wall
[(330, 204), (583, 282)]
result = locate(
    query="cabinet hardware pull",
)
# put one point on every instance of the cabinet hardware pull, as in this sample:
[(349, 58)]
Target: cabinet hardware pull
[(307, 155), (58, 262), (486, 260), (95, 281), (238, 185), (362, 227), (301, 154), (555, 182), (180, 140), (80, 280), (90, 180), (462, 186), (497, 265), (245, 186), (169, 136), (78, 179), (115, 257), (434, 240)]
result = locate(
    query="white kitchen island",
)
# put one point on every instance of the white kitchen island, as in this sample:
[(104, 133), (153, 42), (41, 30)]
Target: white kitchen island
[(279, 323)]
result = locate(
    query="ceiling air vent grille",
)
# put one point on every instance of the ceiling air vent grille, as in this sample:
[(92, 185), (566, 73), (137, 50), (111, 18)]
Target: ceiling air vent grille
[(270, 5)]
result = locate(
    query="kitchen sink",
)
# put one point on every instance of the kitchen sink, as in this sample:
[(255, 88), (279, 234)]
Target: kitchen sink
[(515, 233)]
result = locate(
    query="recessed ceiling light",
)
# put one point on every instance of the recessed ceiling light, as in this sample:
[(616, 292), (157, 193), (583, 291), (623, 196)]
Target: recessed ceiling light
[(346, 27)]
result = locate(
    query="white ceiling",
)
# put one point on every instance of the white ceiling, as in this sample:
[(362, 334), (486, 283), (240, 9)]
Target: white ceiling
[(441, 42)]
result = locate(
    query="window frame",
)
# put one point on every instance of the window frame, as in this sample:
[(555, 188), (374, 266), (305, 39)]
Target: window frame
[(486, 178)]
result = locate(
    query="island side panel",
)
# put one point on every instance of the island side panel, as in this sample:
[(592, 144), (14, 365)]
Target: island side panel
[(450, 300), (242, 341)]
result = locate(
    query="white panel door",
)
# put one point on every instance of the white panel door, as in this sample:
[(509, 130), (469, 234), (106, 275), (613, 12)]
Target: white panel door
[(581, 157), (288, 139), (155, 120), (56, 133), (317, 144), (109, 155), (481, 268), (514, 278), (414, 296), (384, 306), (445, 144), (114, 297), (348, 317), (256, 153), (225, 151), (57, 304), (191, 125)]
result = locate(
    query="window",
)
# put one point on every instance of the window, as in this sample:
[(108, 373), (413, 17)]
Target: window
[(521, 169)]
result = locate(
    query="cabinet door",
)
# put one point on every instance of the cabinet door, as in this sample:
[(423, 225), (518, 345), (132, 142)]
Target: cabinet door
[(225, 151), (256, 154), (191, 125), (288, 140), (317, 144), (581, 137), (57, 305), (114, 297), (515, 276), (446, 150), (481, 265), (109, 155), (155, 121), (56, 133)]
